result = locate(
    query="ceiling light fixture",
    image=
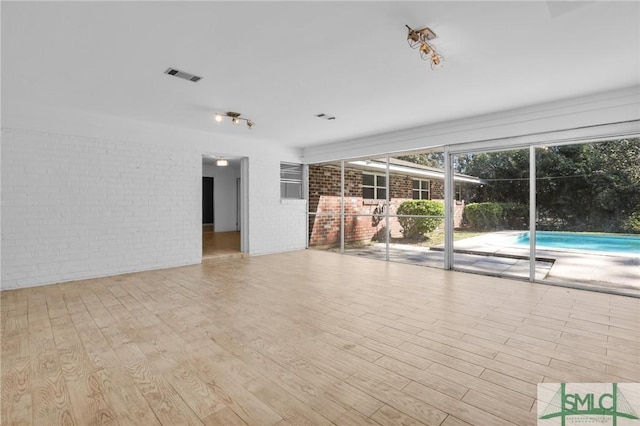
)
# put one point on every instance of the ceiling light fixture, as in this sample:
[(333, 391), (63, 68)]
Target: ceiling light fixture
[(235, 118), (419, 39), (222, 162)]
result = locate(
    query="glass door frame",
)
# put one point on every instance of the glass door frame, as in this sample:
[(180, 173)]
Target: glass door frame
[(452, 150), (533, 217)]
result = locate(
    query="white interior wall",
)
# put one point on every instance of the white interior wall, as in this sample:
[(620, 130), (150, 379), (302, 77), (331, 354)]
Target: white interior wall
[(86, 196), (225, 194), (76, 207), (275, 224)]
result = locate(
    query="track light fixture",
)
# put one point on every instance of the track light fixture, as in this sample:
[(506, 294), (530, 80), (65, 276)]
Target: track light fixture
[(419, 39), (235, 118)]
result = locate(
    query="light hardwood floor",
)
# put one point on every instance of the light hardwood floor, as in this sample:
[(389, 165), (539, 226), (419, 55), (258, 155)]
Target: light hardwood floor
[(301, 338), (219, 245)]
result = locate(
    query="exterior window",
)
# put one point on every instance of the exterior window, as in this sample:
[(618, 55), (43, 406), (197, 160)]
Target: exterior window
[(374, 187), (458, 192), (421, 189), (291, 181)]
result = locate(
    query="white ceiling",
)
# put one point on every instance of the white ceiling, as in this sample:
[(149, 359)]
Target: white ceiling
[(280, 63)]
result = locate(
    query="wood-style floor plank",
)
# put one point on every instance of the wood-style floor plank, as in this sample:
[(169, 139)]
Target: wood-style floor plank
[(52, 403), (304, 338)]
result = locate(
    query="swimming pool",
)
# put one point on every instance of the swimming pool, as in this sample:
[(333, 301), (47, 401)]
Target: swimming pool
[(583, 241)]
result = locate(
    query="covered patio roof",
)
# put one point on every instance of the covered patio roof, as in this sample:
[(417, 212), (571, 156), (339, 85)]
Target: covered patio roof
[(414, 170)]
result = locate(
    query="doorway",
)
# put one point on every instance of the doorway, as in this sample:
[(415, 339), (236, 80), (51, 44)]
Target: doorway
[(208, 217), (221, 209)]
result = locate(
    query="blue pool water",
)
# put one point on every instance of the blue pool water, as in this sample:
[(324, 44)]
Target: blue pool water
[(584, 241)]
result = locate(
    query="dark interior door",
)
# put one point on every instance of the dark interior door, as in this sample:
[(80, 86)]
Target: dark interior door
[(207, 200)]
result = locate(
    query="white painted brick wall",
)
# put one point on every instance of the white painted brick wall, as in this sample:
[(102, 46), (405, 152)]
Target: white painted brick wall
[(75, 208), (275, 225)]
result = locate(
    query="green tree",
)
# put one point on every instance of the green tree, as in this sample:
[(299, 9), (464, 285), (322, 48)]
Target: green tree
[(507, 173), (615, 168), (429, 159), (580, 187)]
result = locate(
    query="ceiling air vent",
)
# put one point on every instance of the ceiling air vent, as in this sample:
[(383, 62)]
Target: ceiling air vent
[(182, 74), (325, 116)]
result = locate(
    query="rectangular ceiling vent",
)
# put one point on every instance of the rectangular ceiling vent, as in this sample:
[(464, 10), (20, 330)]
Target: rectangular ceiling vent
[(182, 74)]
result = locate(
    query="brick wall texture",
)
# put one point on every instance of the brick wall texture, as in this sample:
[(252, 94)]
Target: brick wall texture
[(75, 208), (324, 199)]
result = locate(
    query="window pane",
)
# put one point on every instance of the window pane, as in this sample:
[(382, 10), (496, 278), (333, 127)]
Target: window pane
[(416, 195), (416, 184), (367, 193), (382, 194), (290, 180), (296, 190), (381, 180), (508, 172), (290, 171), (291, 190), (367, 180)]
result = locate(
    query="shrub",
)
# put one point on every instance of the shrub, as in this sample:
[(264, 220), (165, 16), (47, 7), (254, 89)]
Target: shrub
[(413, 227), (483, 215), (633, 223), (515, 215)]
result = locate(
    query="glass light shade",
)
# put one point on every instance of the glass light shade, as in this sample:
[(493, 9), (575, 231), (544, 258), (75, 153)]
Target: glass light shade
[(222, 162), (218, 117), (437, 61)]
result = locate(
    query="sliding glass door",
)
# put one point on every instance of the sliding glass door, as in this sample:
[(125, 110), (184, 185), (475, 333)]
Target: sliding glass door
[(588, 208), (388, 208), (472, 211), (586, 224), (495, 214), (416, 208), (325, 206)]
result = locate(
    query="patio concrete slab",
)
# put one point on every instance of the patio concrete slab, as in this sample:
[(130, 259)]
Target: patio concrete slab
[(618, 271), (423, 256), (495, 253)]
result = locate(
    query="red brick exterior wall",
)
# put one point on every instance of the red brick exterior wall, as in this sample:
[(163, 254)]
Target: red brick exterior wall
[(437, 189), (324, 197)]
